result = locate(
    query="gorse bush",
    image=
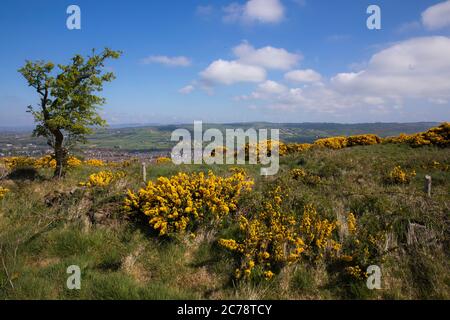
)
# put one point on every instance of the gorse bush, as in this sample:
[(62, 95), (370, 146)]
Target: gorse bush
[(351, 141), (3, 192), (332, 143), (163, 160), (305, 177), (361, 248), (400, 176), (272, 238), (181, 202), (95, 163), (258, 149), (46, 161), (18, 162), (318, 233), (438, 136), (298, 174), (363, 140), (297, 147), (102, 179)]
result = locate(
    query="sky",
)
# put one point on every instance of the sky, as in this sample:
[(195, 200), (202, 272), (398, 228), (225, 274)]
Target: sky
[(240, 60)]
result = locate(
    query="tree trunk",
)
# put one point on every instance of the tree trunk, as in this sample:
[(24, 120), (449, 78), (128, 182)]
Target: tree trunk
[(60, 155)]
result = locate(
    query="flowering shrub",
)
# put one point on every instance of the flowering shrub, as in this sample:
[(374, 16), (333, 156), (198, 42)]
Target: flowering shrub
[(18, 162), (46, 161), (305, 177), (361, 248), (317, 233), (332, 143), (95, 163), (297, 147), (265, 146), (102, 179), (363, 140), (74, 162), (270, 239), (3, 192), (180, 202), (351, 223), (437, 165), (438, 136), (273, 238), (298, 173), (163, 160), (400, 176)]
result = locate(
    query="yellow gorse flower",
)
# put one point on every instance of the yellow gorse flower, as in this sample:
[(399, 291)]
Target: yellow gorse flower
[(3, 192), (95, 163), (356, 272), (173, 203), (400, 176), (102, 179), (438, 136), (351, 223), (332, 143), (46, 161), (163, 160), (273, 237), (317, 232)]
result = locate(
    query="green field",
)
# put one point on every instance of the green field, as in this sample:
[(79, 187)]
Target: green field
[(157, 138)]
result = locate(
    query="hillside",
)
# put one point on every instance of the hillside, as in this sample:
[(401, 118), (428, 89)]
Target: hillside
[(156, 138), (365, 205)]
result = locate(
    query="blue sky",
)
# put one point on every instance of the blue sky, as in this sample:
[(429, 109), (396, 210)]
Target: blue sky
[(232, 61)]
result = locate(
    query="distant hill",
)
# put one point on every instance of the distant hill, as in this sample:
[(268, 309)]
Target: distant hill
[(157, 137)]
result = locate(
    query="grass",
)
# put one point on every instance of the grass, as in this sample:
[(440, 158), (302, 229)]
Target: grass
[(46, 226)]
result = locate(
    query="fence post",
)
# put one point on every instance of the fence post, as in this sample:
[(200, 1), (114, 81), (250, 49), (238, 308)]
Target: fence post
[(428, 185), (144, 172)]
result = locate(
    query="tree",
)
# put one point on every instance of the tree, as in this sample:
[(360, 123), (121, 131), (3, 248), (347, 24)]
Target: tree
[(68, 106)]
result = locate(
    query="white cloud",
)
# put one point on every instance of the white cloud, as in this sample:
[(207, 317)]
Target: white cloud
[(413, 72), (266, 57), (263, 11), (230, 72), (307, 76), (437, 16), (168, 61), (271, 87), (265, 90), (187, 89), (418, 67)]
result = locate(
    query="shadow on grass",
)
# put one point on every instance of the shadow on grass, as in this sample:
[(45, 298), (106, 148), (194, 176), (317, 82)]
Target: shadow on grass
[(23, 174)]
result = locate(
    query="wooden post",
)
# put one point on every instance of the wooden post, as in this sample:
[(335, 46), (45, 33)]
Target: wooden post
[(144, 172), (428, 185)]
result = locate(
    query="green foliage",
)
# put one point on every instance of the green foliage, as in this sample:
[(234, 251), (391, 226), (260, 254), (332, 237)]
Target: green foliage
[(68, 99)]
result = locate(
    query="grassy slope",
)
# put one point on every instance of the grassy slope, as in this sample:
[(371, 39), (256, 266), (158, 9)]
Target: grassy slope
[(121, 260)]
